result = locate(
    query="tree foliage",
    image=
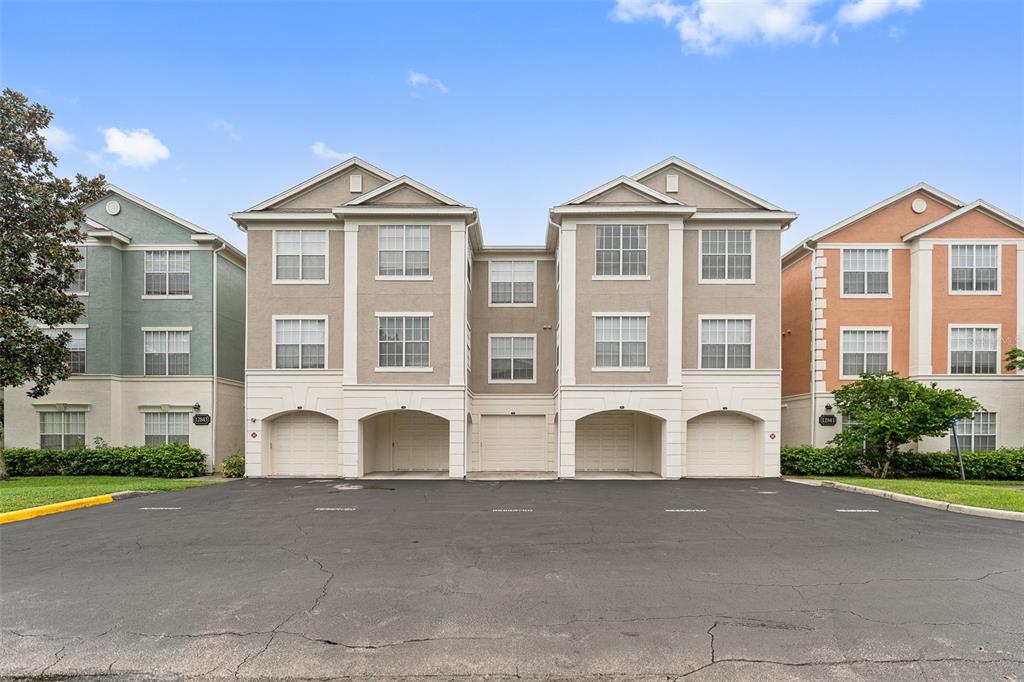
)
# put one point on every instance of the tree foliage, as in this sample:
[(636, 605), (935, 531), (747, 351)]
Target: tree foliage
[(1014, 359), (40, 218), (888, 411)]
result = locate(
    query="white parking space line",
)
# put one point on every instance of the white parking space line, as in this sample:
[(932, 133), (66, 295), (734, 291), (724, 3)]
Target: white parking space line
[(696, 511), (336, 509), (767, 492), (857, 511), (158, 508), (511, 510), (321, 480)]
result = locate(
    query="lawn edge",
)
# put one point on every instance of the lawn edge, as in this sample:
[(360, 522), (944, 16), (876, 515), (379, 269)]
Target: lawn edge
[(69, 505), (912, 499)]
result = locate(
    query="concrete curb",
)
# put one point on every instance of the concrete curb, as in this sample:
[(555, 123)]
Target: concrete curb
[(911, 499), (69, 505)]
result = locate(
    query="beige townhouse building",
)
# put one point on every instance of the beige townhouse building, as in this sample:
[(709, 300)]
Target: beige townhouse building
[(386, 338)]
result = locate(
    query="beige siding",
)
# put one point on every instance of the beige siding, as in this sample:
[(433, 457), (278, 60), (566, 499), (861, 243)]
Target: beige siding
[(693, 191), (332, 192)]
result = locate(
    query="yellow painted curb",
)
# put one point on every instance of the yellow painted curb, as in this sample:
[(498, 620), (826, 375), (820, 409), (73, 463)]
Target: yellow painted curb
[(56, 508)]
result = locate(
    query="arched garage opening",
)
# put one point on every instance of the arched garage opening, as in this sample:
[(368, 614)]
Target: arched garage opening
[(723, 444), (303, 443), (619, 441), (405, 440)]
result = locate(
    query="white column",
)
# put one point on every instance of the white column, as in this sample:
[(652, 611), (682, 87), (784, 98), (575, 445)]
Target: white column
[(675, 302), (351, 309), (1019, 341), (567, 302), (457, 296), (920, 308)]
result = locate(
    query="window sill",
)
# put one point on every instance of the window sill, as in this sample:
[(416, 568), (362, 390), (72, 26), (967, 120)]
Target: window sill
[(620, 369), (404, 278), (298, 369), (77, 293), (511, 381), (414, 370), (725, 369), (975, 293), (726, 281), (512, 305), (841, 295), (624, 278), (299, 281), (166, 297)]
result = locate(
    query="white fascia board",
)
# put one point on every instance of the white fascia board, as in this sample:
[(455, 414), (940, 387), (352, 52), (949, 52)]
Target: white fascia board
[(192, 227), (980, 204), (279, 216), (784, 217), (320, 177), (403, 210), (709, 178), (406, 181), (628, 182), (638, 209)]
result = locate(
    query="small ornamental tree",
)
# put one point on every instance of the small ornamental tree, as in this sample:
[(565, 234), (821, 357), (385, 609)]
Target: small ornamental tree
[(888, 411), (40, 214), (1014, 359)]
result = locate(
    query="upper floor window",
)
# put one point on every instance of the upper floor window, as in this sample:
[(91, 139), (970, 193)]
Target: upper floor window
[(403, 341), (300, 344), (403, 250), (167, 353), (79, 282), (975, 434), (621, 251), (61, 430), (167, 273), (974, 350), (76, 346), (620, 341), (166, 427), (726, 255), (300, 255), (974, 267), (726, 343), (864, 350), (512, 358), (866, 272), (512, 282)]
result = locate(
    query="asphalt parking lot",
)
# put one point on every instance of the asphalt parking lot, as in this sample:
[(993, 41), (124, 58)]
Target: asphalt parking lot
[(741, 579)]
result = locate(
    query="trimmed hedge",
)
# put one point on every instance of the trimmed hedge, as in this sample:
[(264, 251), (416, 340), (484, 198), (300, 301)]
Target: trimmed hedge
[(233, 466), (1004, 464), (173, 460)]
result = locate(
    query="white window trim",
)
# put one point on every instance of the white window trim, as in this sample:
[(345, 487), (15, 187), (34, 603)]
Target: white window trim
[(973, 435), (187, 434), (511, 335), (888, 352), (430, 352), (949, 348), (999, 269), (85, 256), (647, 349), (168, 297), (430, 254), (165, 297), (327, 256), (647, 256), (842, 272), (273, 342), (490, 281), (620, 278), (753, 342), (753, 258), (167, 329)]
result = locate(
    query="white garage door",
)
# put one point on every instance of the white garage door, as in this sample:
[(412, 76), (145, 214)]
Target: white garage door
[(606, 442), (304, 444), (513, 443), (420, 442), (720, 445)]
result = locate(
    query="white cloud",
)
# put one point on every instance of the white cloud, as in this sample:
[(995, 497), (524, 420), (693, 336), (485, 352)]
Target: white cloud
[(226, 128), (861, 12), (58, 139), (325, 152), (135, 147), (417, 80)]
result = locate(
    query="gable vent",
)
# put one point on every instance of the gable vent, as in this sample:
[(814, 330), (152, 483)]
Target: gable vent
[(672, 183), (355, 183)]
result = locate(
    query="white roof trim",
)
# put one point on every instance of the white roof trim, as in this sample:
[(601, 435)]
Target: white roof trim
[(99, 230), (919, 187), (632, 209), (709, 178), (399, 182), (192, 227), (334, 170), (628, 182), (997, 213), (425, 210)]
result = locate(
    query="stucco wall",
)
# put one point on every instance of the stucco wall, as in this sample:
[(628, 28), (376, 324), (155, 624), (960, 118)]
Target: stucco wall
[(796, 327)]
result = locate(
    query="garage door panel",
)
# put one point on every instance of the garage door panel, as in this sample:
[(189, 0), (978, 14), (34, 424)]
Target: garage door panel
[(721, 445), (304, 444), (420, 442), (606, 442), (513, 443)]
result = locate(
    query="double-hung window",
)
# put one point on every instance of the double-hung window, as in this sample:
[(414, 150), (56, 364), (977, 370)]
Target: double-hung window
[(974, 267), (75, 348), (403, 341), (166, 427), (167, 352), (61, 430), (79, 281), (620, 341), (726, 343), (513, 282), (621, 251), (300, 344), (864, 350), (977, 433), (512, 358), (866, 272), (726, 255), (974, 350), (300, 256), (167, 273), (403, 251)]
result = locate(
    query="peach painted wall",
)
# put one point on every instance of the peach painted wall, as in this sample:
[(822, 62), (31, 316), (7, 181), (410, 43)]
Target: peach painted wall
[(889, 224), (796, 327)]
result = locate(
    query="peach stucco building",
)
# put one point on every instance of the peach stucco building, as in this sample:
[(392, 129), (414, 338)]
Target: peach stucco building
[(921, 284)]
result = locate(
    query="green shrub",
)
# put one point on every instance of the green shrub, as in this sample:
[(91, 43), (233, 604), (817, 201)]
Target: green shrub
[(233, 466), (173, 460), (1004, 464)]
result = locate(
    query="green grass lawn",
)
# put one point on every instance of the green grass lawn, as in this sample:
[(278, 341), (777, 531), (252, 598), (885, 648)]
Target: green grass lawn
[(988, 494), (33, 491)]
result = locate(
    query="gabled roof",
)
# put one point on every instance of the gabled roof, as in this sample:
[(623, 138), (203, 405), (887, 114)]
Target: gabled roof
[(317, 179), (98, 229), (981, 205), (404, 181), (710, 178), (632, 184)]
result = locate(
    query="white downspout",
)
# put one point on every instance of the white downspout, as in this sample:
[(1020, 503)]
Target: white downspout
[(213, 410), (814, 390)]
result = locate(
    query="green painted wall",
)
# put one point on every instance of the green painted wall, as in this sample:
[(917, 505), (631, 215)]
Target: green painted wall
[(230, 320)]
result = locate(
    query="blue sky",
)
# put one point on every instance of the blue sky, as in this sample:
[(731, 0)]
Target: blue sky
[(818, 107)]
